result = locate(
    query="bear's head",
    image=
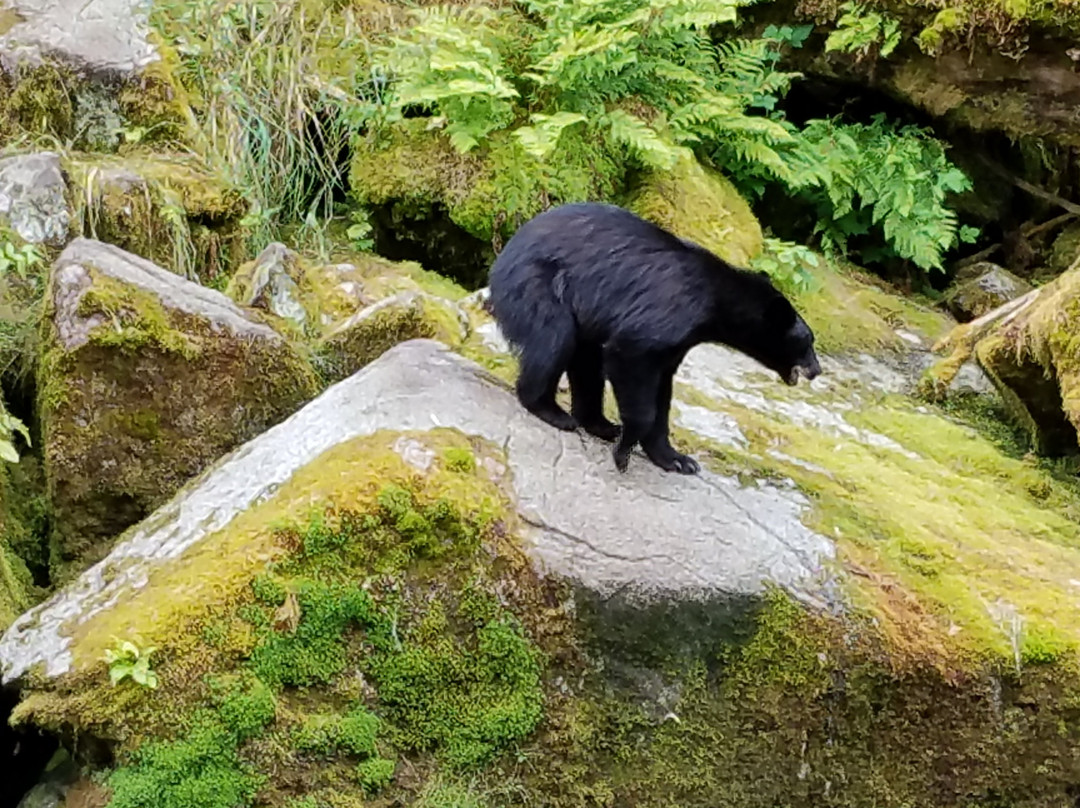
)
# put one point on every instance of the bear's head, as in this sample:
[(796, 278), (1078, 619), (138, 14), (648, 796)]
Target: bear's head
[(786, 343)]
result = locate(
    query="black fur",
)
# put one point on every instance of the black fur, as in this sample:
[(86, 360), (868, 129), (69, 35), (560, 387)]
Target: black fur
[(594, 291)]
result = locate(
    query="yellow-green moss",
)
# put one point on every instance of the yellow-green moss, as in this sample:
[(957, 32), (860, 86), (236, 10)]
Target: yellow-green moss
[(116, 411), (155, 106), (943, 542), (416, 175), (701, 205), (1033, 358), (40, 103)]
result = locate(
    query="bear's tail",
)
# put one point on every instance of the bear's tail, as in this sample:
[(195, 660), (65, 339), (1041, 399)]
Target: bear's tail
[(528, 303)]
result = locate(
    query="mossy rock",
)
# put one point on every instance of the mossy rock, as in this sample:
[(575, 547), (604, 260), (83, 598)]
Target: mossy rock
[(365, 336), (272, 282), (981, 288), (17, 590), (371, 620), (56, 101), (1065, 250), (144, 379), (312, 298), (167, 208), (701, 205), (452, 210)]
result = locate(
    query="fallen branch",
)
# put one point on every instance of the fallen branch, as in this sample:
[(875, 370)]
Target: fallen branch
[(1034, 190), (1027, 232)]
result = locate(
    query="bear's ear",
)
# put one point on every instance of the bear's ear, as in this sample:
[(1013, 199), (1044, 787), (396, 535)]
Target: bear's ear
[(780, 314)]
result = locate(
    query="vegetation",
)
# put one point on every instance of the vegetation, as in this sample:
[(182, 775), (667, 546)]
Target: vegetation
[(560, 101), (127, 660), (647, 82)]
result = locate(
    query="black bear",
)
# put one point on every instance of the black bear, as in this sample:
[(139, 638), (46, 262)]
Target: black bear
[(593, 290)]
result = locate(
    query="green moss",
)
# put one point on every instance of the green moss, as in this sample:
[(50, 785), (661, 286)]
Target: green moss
[(701, 205), (384, 583), (353, 733), (202, 769), (1033, 359), (365, 336), (851, 312), (375, 774), (459, 459), (156, 109), (40, 104), (315, 652), (459, 208), (137, 321)]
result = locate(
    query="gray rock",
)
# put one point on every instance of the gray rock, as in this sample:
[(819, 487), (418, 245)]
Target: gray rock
[(273, 288), (98, 36), (644, 534), (981, 288), (154, 379), (72, 279), (33, 198)]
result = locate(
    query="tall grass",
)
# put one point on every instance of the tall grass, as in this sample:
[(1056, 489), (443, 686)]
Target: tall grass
[(271, 83)]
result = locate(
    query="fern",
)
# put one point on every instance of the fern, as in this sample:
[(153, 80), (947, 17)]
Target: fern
[(860, 31), (646, 83), (451, 62), (896, 178)]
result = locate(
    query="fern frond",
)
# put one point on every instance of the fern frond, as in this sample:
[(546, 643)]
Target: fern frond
[(651, 148)]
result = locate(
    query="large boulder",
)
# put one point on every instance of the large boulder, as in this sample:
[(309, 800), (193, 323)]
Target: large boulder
[(112, 38), (411, 584), (145, 378), (86, 74)]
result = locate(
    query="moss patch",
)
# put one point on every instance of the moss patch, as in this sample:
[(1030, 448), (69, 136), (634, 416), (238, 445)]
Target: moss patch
[(849, 311), (452, 210), (370, 333), (365, 612), (701, 205)]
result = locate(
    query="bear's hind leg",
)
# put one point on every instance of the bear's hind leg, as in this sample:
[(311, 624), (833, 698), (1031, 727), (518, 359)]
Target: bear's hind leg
[(538, 381), (586, 374)]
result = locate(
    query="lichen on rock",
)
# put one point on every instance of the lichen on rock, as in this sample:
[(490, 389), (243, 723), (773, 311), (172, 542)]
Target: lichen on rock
[(145, 379), (34, 198)]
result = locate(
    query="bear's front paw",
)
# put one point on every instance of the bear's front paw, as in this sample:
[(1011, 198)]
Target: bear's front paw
[(622, 458), (670, 460)]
